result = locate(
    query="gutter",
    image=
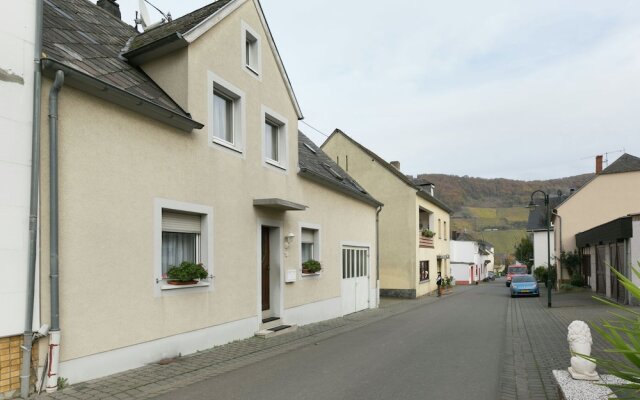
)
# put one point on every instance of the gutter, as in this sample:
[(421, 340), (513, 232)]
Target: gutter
[(112, 94), (155, 49), (25, 373), (54, 332)]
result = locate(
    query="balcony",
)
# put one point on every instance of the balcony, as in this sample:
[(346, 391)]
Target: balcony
[(425, 242)]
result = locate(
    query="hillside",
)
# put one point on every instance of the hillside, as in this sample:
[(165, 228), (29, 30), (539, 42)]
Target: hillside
[(494, 209)]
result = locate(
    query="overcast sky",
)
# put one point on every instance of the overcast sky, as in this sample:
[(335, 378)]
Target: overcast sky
[(494, 89)]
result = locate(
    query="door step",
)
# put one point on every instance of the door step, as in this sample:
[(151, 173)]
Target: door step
[(270, 322), (276, 331)]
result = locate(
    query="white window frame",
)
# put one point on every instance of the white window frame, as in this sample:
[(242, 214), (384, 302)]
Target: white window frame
[(283, 137), (317, 245), (216, 83), (249, 35), (161, 286)]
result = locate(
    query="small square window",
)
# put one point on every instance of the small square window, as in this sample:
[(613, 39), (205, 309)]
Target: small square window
[(424, 271), (309, 245)]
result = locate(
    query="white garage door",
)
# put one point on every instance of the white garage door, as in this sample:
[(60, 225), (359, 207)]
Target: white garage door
[(355, 279)]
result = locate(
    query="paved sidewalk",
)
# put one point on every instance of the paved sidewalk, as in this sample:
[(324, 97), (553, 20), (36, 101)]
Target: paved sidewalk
[(155, 379), (536, 341)]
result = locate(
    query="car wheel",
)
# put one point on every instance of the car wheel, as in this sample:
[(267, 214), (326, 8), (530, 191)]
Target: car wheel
[(513, 295)]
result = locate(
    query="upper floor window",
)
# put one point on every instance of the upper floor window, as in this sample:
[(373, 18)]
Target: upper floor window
[(445, 230), (439, 228), (226, 114), (251, 56), (275, 139)]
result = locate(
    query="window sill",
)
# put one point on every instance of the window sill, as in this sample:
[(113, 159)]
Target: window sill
[(425, 281), (226, 144), (309, 274), (168, 286), (252, 70), (274, 163)]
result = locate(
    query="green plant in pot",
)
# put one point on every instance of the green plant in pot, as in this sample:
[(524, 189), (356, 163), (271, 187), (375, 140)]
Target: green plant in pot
[(186, 273), (311, 266), (427, 233)]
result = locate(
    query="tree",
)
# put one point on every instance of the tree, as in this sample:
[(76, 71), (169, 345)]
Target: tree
[(523, 251)]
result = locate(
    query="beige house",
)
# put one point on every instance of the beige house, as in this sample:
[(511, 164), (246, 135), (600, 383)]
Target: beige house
[(409, 260), (597, 216), (182, 144)]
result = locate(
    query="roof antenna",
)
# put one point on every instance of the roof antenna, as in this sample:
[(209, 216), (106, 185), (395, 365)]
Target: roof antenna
[(144, 18)]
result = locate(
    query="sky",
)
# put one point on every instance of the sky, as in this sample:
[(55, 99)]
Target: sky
[(494, 89)]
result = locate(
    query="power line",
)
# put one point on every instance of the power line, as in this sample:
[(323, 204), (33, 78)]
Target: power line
[(315, 129)]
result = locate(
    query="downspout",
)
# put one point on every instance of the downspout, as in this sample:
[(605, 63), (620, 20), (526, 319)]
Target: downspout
[(25, 373), (558, 238), (54, 332), (378, 254)]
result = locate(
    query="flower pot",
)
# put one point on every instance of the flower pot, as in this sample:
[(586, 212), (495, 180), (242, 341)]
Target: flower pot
[(180, 283)]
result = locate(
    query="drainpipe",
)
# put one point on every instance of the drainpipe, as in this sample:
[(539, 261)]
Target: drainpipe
[(25, 373), (378, 252), (54, 332), (558, 238)]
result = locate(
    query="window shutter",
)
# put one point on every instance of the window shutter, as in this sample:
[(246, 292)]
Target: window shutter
[(307, 236), (179, 222)]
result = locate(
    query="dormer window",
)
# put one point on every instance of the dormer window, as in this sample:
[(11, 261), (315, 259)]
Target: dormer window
[(251, 50)]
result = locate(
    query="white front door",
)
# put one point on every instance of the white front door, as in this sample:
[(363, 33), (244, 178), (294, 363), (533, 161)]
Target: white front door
[(355, 279)]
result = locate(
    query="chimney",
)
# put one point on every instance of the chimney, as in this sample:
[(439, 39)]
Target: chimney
[(111, 7), (396, 164), (598, 164)]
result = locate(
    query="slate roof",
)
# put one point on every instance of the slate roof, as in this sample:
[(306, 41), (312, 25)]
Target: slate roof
[(538, 216), (316, 165), (178, 26), (625, 163), (409, 181), (86, 39)]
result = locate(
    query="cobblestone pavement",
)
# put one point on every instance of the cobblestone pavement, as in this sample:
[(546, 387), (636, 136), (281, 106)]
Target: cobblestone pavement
[(152, 380), (536, 341)]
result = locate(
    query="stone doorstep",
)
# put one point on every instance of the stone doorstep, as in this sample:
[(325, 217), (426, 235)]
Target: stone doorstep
[(270, 324), (573, 389), (276, 331)]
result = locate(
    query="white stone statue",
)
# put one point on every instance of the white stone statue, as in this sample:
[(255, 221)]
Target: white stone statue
[(580, 342)]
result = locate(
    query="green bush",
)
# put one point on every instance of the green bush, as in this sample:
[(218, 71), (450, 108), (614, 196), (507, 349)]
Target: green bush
[(577, 280), (428, 233), (187, 271), (312, 266), (623, 334), (540, 274)]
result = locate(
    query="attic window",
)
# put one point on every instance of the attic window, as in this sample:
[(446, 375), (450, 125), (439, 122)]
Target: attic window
[(332, 171), (311, 149), (250, 50)]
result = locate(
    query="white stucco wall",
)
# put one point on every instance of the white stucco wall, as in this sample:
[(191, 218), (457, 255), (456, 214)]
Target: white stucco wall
[(17, 27)]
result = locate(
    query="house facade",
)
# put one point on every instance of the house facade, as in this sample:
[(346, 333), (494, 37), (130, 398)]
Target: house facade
[(537, 226), (471, 259), (182, 144), (613, 193), (17, 37), (409, 260)]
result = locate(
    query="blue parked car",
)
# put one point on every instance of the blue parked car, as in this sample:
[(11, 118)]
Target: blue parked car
[(524, 285)]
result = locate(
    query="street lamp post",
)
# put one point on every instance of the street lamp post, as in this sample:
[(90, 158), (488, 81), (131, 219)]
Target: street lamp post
[(533, 205)]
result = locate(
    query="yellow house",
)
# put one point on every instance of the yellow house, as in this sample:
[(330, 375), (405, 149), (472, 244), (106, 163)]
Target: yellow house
[(598, 220), (414, 224), (181, 144)]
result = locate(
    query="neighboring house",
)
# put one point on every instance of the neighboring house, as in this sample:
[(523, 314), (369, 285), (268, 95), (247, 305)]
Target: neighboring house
[(537, 225), (409, 260), (615, 243), (611, 194), (470, 259), (182, 144), (17, 36)]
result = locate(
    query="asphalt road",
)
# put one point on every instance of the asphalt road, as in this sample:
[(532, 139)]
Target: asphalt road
[(449, 349)]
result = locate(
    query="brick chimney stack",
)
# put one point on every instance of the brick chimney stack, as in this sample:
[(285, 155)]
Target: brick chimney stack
[(396, 164), (111, 7), (598, 164)]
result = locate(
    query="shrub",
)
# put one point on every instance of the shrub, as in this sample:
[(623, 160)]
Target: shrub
[(187, 271), (541, 274), (312, 266), (428, 233), (577, 280)]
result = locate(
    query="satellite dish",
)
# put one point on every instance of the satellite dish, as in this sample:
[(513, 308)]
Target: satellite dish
[(145, 20)]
